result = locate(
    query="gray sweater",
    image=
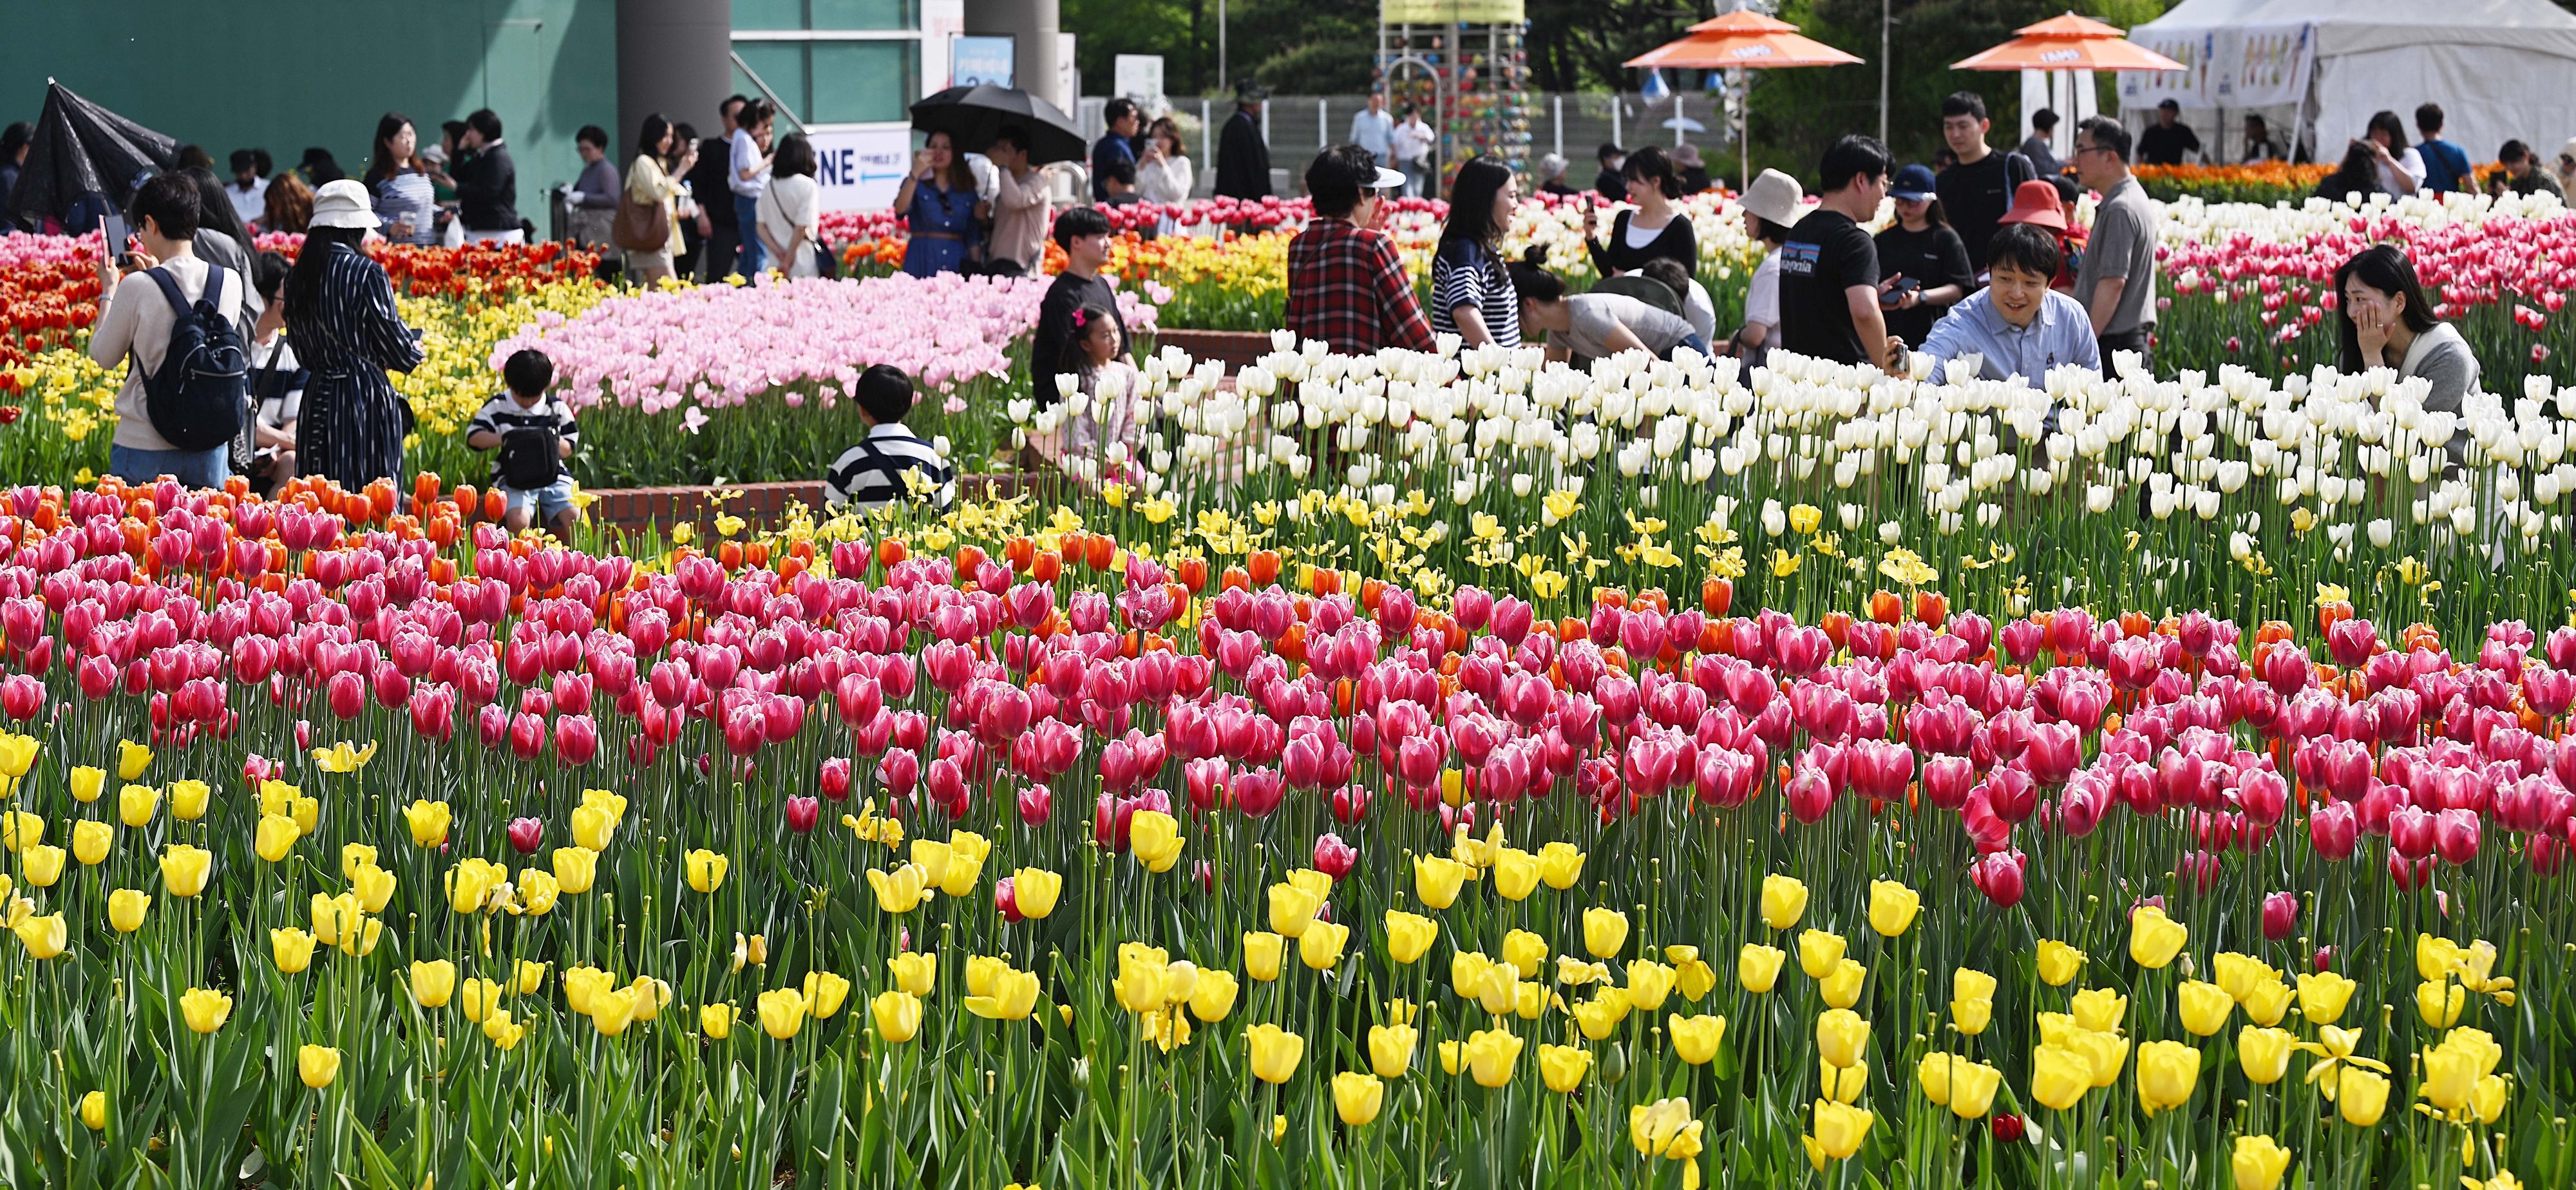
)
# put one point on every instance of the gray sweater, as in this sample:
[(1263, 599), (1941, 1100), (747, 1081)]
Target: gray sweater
[(2444, 360)]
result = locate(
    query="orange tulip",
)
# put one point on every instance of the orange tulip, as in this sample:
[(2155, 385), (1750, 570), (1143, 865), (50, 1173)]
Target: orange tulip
[(1234, 578), (1020, 551), (969, 560), (1837, 626), (1047, 566), (1931, 609), (1716, 595), (1101, 552), (1884, 608), (1264, 567), (2330, 612), (890, 551), (1193, 574)]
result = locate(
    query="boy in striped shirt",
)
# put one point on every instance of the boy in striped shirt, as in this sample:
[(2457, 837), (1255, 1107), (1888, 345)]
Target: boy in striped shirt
[(537, 421), (891, 463)]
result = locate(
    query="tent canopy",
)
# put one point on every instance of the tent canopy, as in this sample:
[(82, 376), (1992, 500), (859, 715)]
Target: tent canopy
[(84, 155), (2499, 68)]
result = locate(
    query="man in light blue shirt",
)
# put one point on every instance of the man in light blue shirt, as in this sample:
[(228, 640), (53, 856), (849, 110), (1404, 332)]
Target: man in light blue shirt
[(2017, 323), (1374, 129)]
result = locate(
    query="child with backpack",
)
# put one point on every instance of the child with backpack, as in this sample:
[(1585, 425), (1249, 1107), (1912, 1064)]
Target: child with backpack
[(186, 395), (534, 432)]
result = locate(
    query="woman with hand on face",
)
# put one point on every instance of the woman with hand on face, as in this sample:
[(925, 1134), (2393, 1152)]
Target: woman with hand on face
[(2384, 322), (938, 202)]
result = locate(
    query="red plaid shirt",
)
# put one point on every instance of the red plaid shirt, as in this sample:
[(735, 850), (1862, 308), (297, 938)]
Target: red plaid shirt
[(1347, 288)]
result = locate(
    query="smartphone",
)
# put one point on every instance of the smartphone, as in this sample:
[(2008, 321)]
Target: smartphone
[(112, 245)]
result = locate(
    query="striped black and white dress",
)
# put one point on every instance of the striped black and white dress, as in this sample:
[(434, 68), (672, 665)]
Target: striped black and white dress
[(1466, 273), (352, 424)]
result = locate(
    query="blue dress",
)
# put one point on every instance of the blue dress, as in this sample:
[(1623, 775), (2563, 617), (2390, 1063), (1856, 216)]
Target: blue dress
[(948, 216)]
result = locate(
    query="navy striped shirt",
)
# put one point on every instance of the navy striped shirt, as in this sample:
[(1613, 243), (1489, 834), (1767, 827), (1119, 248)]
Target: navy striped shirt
[(1464, 273), (890, 464)]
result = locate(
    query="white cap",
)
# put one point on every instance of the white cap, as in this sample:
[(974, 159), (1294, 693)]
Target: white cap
[(1387, 179), (343, 203)]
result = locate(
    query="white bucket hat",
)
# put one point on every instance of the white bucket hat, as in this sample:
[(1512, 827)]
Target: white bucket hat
[(343, 204), (1774, 196)]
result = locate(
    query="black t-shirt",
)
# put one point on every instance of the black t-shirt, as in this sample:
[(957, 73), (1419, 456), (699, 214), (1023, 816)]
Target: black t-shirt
[(2159, 145), (1055, 330), (1975, 199), (1826, 253), (1933, 256), (1610, 186)]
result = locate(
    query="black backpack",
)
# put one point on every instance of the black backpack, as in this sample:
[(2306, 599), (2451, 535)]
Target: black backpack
[(530, 460), (196, 398)]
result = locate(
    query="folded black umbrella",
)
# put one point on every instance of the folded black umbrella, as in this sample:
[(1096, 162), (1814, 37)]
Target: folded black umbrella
[(83, 155), (972, 115)]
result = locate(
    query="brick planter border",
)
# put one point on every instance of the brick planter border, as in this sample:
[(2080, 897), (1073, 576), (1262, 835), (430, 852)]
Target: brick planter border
[(760, 503)]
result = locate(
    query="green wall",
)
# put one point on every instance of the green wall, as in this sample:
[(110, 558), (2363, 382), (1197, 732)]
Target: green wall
[(285, 74)]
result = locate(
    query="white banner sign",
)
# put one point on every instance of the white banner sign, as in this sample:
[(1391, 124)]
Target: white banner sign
[(2259, 66), (861, 170)]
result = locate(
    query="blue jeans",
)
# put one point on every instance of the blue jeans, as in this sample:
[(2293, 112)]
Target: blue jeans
[(550, 501), (746, 210), (196, 468)]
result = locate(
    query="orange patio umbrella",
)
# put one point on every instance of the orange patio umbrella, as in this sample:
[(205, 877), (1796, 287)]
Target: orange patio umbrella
[(2068, 42), (1744, 40)]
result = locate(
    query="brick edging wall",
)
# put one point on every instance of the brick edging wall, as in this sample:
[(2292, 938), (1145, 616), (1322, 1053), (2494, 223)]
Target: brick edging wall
[(760, 503)]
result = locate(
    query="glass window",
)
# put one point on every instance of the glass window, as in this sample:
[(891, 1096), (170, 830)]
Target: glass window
[(781, 64), (864, 14), (769, 14), (864, 81)]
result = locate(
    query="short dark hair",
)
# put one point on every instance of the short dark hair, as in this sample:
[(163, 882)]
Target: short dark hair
[(1016, 136), (452, 130), (1337, 178), (1608, 151), (731, 102), (268, 275), (2169, 105), (195, 157), (1672, 274), (2513, 151), (1651, 164), (265, 165), (1963, 103), (1117, 109), (1077, 222), (243, 159), (2107, 133), (2428, 119), (1121, 171), (1851, 157), (795, 158), (528, 372), (2387, 122), (485, 121), (170, 202), (2025, 247), (592, 135), (1532, 279), (884, 392), (2043, 119), (752, 114)]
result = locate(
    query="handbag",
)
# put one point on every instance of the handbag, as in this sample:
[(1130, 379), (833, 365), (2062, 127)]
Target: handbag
[(641, 227)]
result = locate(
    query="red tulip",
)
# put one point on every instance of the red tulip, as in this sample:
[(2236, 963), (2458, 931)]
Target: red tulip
[(802, 812), (1999, 876), (2455, 836), (2351, 642), (576, 739), (2410, 832), (21, 697), (2409, 875), (2280, 915), (346, 694), (525, 834), (2333, 829), (1809, 794), (1006, 898), (1333, 857)]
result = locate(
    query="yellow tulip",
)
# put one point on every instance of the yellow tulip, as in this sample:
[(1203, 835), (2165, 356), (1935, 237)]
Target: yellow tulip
[(1696, 1038), (532, 976), (1560, 865), (1036, 890), (1437, 879), (824, 992), (343, 757), (1391, 1049), (1892, 907), (706, 870), (652, 996), (1819, 952), (1491, 1055), (1155, 837), (2105, 1052), (204, 1010), (189, 799), (1275, 1052), (93, 1107), (2490, 1099), (899, 891), (2269, 1003), (966, 853), (538, 892), (1784, 900), (1605, 931), (931, 856), (2439, 1002), (897, 1015), (1261, 955), (914, 972), (2205, 1007), (135, 804), (1841, 987), (88, 782), (2059, 963), (373, 886), (1693, 977), (1757, 967), (1138, 985), (582, 986), (471, 882), (17, 754), (433, 984), (782, 1013), (613, 1009), (276, 837), (504, 1033), (2265, 1053), (428, 822), (1648, 983), (45, 936), (42, 864), (2360, 1095), (1971, 1017), (2154, 939), (131, 759), (1841, 1128), (20, 830), (292, 949), (2099, 1009), (1524, 952), (2167, 1073), (1212, 996), (1562, 1067), (1657, 1129), (1013, 997), (91, 840), (716, 1020), (1972, 1089), (2258, 1163), (1409, 935), (317, 1065), (593, 827), (125, 909), (1357, 1097), (1321, 945), (1515, 873), (2059, 1077), (2238, 973), (1292, 908), (1933, 1073), (2435, 957), (478, 998), (1842, 1037), (2450, 1078), (576, 868), (184, 869)]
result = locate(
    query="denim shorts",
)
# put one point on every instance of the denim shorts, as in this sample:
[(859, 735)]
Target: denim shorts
[(549, 500), (207, 468)]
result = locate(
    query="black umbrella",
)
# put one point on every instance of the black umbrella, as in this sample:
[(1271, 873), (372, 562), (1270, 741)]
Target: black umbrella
[(84, 152), (972, 115)]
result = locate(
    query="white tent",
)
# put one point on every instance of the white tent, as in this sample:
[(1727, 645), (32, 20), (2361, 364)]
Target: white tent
[(2501, 69)]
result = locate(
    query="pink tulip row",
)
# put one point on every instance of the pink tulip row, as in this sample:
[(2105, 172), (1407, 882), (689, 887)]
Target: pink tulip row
[(723, 345), (2500, 259)]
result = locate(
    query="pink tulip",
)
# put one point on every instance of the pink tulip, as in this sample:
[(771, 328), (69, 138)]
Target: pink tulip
[(802, 813), (525, 834), (1333, 857)]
